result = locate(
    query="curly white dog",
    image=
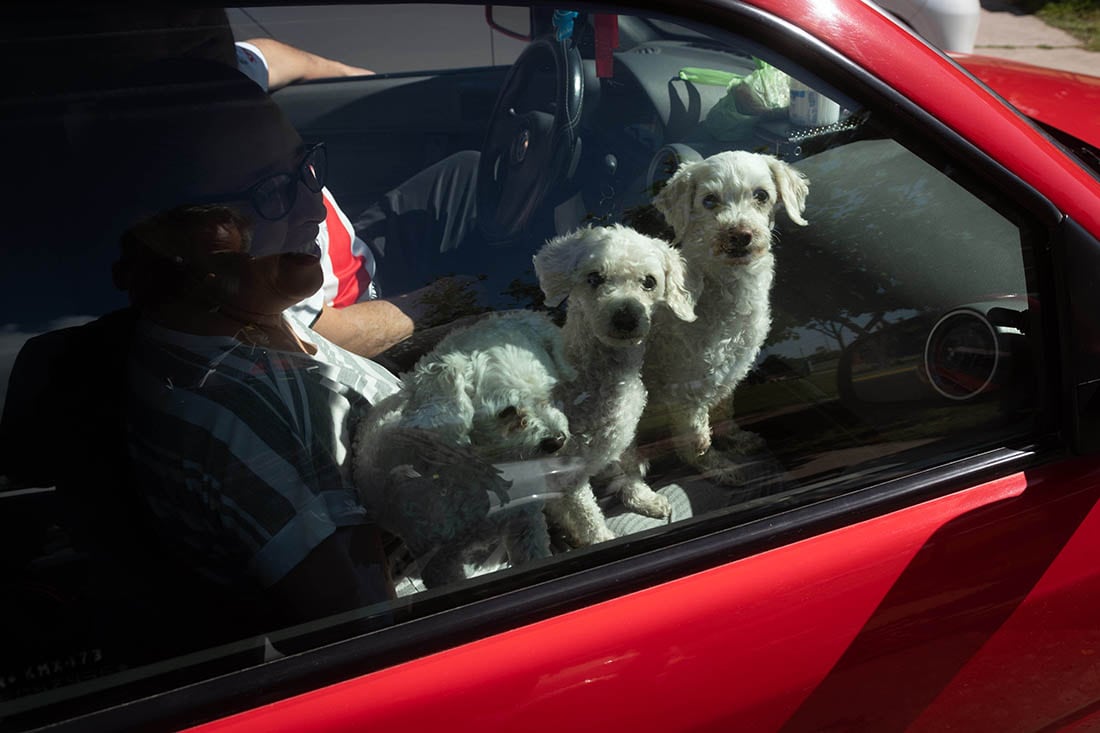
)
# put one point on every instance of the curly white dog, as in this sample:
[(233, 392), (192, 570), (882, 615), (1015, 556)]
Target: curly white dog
[(487, 388), (617, 281), (723, 211)]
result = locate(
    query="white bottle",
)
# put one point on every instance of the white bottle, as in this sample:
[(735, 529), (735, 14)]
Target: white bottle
[(811, 109)]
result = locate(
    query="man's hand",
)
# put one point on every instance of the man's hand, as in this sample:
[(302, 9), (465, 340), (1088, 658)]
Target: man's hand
[(443, 300)]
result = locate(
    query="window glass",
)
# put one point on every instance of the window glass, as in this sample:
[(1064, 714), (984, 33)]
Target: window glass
[(378, 37), (291, 368)]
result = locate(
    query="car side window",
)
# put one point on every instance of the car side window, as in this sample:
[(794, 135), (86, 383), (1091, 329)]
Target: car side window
[(910, 293), (380, 38), (647, 282)]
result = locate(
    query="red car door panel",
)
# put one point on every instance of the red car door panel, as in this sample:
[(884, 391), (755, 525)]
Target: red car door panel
[(914, 548), (1040, 669), (885, 618)]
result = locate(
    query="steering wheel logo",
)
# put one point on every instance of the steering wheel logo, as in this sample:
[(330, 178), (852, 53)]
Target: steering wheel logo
[(520, 146)]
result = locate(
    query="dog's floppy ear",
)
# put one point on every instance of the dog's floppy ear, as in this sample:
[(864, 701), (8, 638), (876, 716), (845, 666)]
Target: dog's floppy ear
[(793, 188), (674, 200), (679, 297), (439, 400), (556, 262)]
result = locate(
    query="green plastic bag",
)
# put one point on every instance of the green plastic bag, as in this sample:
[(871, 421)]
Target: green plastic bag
[(709, 77), (765, 92)]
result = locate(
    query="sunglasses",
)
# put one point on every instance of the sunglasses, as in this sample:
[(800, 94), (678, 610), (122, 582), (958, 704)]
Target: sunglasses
[(273, 197)]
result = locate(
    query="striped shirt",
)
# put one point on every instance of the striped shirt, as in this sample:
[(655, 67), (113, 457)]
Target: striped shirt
[(242, 452)]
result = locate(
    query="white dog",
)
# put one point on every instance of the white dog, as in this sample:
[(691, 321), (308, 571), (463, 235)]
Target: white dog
[(723, 211), (487, 388), (617, 280)]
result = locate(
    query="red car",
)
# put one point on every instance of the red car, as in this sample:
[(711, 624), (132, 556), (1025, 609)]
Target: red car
[(912, 544)]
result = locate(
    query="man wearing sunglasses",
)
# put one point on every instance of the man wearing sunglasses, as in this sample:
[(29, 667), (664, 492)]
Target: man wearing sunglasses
[(347, 308), (86, 50)]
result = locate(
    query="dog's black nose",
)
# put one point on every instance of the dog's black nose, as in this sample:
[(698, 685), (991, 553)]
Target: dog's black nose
[(739, 241), (552, 445), (624, 320)]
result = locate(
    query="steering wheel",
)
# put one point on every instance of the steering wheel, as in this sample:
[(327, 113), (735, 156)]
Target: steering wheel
[(531, 138)]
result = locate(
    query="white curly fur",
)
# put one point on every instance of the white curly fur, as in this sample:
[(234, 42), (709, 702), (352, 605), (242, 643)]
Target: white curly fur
[(723, 211), (617, 282), (488, 386)]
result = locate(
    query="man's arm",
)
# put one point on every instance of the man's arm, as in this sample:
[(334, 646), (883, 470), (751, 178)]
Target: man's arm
[(287, 64), (366, 328), (371, 327)]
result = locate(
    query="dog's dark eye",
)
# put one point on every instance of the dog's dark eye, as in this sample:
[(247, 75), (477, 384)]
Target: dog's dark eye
[(710, 201), (760, 195), (507, 413), (649, 282), (595, 279)]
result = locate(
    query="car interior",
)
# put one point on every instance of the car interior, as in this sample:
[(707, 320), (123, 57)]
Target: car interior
[(903, 328)]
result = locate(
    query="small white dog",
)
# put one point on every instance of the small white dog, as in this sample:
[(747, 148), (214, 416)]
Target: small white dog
[(617, 280), (723, 211), (487, 388)]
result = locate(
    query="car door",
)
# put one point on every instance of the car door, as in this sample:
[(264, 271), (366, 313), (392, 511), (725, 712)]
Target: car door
[(908, 546)]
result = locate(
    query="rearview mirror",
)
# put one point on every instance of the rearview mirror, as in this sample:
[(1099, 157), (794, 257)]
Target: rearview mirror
[(512, 21)]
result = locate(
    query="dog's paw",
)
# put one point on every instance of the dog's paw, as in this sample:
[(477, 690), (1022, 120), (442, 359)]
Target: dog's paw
[(690, 445), (716, 467), (526, 535), (443, 568), (601, 534), (578, 515), (641, 499), (745, 442), (586, 536)]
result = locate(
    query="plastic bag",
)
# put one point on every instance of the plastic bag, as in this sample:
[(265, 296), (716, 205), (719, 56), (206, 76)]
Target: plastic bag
[(724, 122), (710, 77), (764, 92)]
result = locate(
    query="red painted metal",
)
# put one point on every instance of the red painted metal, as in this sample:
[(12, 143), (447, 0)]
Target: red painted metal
[(766, 643), (1063, 99), (933, 82), (974, 611), (1040, 670)]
